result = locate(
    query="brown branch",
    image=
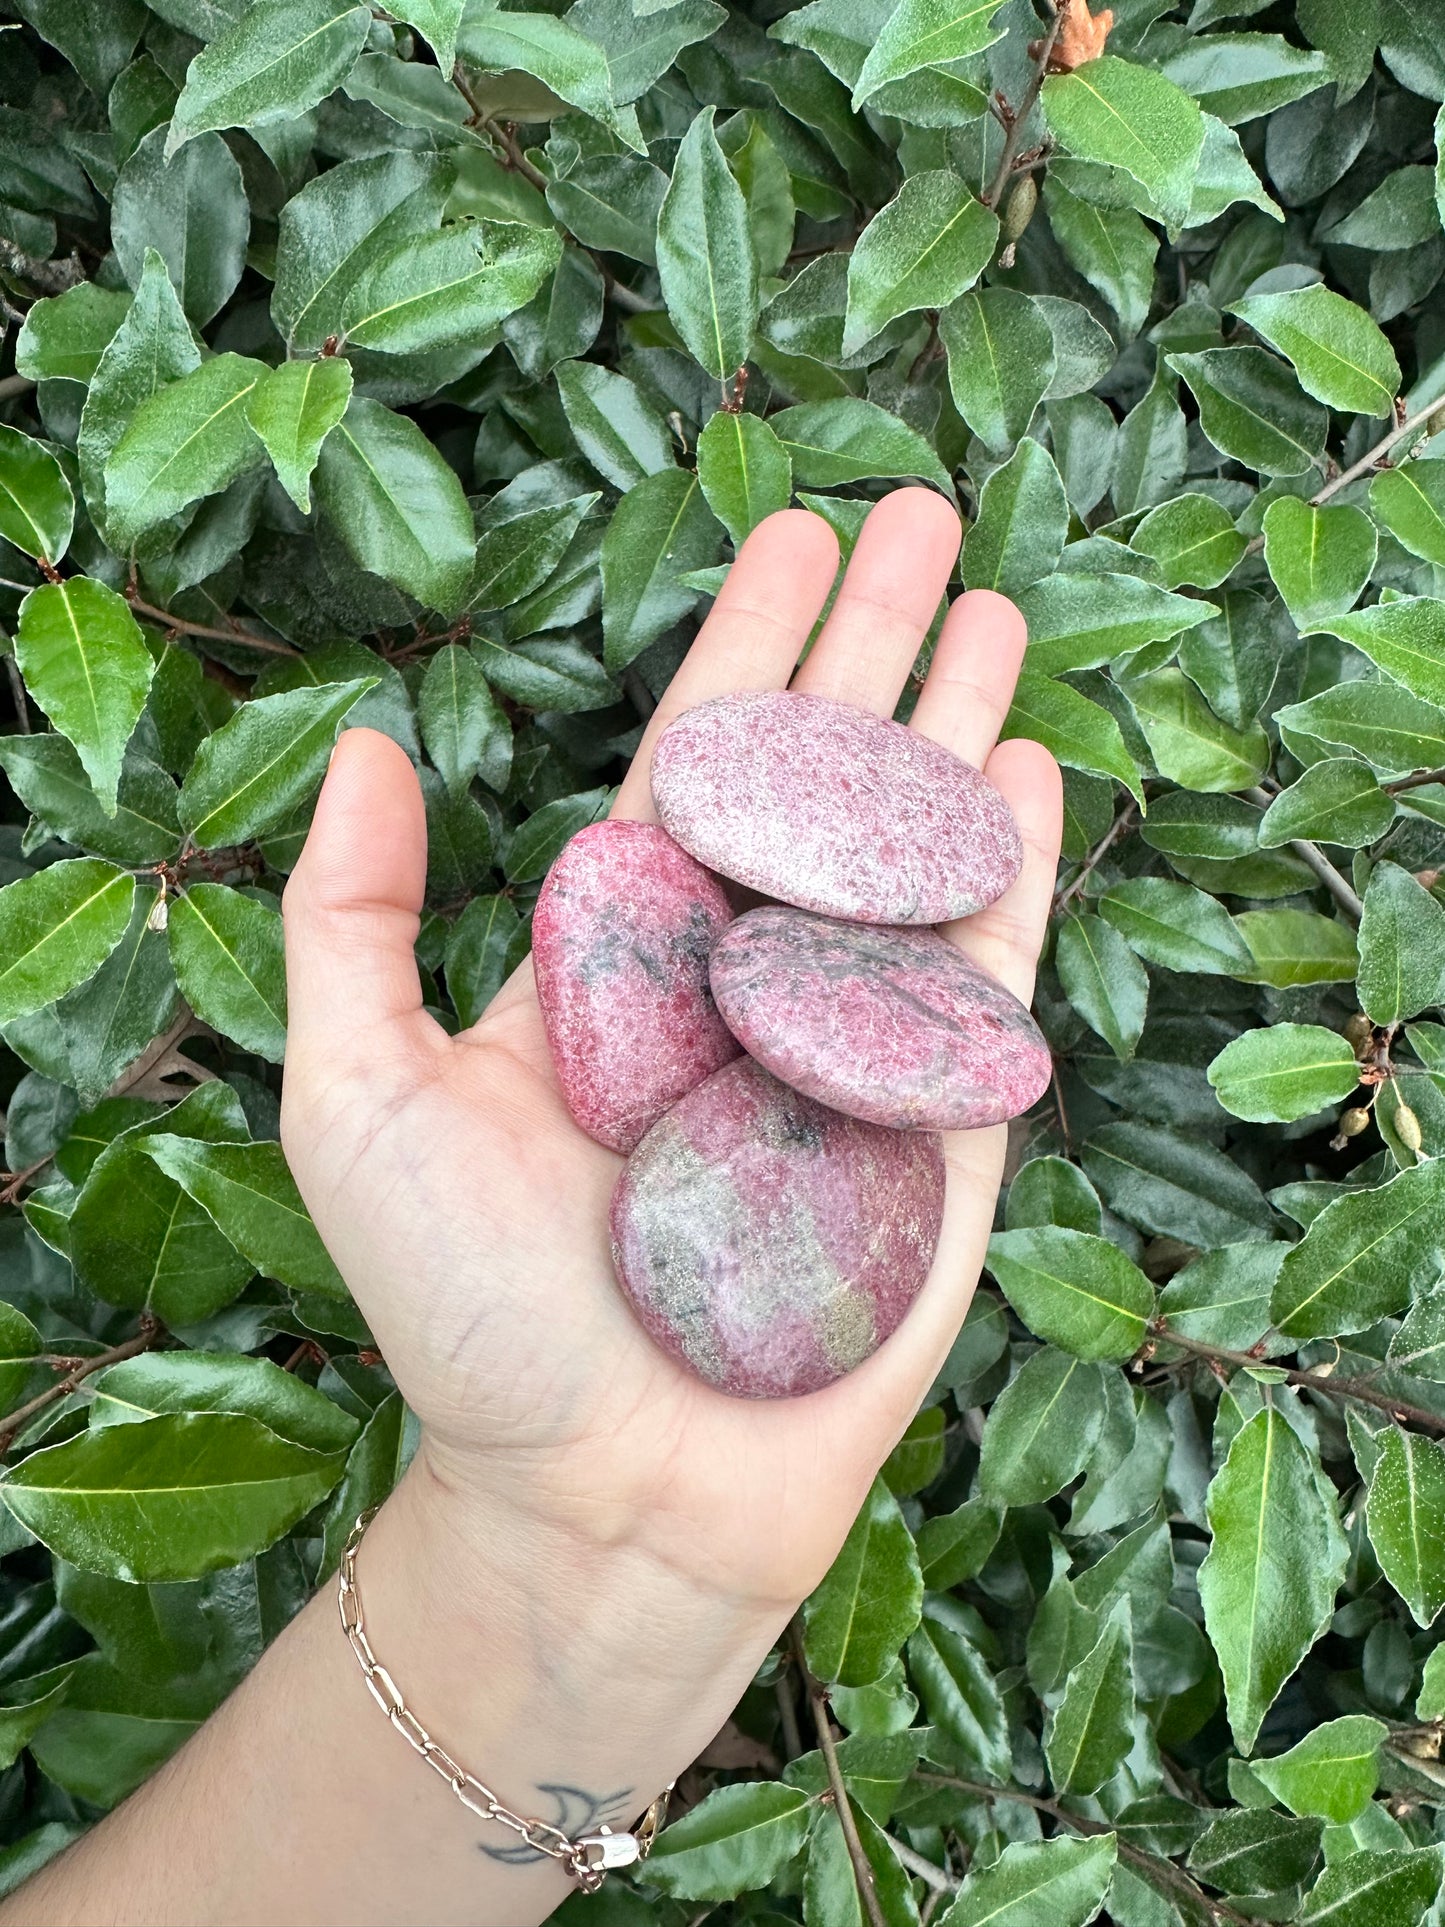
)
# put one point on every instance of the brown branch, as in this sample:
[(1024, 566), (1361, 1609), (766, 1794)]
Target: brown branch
[(1311, 854), (12, 1183), (818, 1701), (1064, 896), (150, 1334), (185, 628), (1017, 116), (1345, 1390), (1415, 782)]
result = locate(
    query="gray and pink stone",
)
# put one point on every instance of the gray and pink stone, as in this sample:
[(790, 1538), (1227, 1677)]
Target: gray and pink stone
[(893, 1025), (771, 1244), (833, 809), (621, 937)]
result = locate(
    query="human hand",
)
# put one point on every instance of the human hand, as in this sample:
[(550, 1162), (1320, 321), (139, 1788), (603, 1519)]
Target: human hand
[(469, 1214)]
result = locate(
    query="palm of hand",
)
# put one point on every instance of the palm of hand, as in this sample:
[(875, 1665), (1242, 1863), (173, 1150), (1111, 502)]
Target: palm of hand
[(468, 1212)]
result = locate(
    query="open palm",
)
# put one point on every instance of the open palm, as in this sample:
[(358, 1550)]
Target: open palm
[(469, 1214)]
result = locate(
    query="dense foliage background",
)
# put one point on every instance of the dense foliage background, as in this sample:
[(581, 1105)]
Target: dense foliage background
[(423, 369)]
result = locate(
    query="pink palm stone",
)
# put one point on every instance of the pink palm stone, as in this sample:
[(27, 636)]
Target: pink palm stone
[(896, 1025), (834, 809), (620, 943), (768, 1243)]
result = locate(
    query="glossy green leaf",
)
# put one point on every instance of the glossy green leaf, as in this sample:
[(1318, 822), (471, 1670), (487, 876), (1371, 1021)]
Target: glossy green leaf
[(1062, 1881), (567, 62), (705, 256), (1332, 1772), (1175, 925), (1239, 76), (923, 250), (1276, 1559), (229, 959), (280, 59), (959, 1692), (84, 661), (1339, 353), (1193, 539), (1080, 734), (1368, 1889), (191, 208), (189, 439), (1122, 115), (1361, 1256), (293, 411), (1041, 1429), (1077, 1291), (252, 1196), (1080, 621), (447, 286), (256, 767), (1284, 1071), (160, 1382), (856, 1620), (1021, 526), (1410, 502), (65, 335), (483, 947), (167, 1498), (1402, 947), (1320, 558), (1104, 981), (1405, 638), (744, 471), (1252, 408), (662, 528), (37, 508), (1092, 1728), (616, 429), (1403, 1512), (1112, 248), (832, 443), (57, 928), (737, 1838), (1000, 362), (925, 33)]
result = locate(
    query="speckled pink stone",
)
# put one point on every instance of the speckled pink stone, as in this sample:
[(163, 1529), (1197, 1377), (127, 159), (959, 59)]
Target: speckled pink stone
[(770, 1244), (892, 1025), (833, 809), (620, 943)]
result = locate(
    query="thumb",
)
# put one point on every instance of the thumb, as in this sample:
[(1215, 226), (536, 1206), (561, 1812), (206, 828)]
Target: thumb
[(352, 910)]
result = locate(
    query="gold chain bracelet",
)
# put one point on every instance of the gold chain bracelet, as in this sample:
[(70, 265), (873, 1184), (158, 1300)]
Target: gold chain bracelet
[(588, 1859)]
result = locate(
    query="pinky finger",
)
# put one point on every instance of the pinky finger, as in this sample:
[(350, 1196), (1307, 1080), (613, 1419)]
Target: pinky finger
[(1007, 937)]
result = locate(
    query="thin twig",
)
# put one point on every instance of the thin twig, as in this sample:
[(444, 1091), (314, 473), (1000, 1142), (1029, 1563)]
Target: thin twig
[(1415, 782), (1343, 1389), (926, 1869), (1373, 459), (788, 1715), (185, 628), (1014, 126), (1311, 853), (150, 1334), (1064, 896), (12, 1183), (818, 1700)]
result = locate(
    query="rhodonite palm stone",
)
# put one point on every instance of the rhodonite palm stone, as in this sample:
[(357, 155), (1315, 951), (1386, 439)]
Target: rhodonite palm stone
[(828, 807), (771, 1244), (620, 941), (893, 1025)]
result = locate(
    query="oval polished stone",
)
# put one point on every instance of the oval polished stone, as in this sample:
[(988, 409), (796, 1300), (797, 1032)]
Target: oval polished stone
[(895, 1026), (833, 809), (768, 1243), (620, 941)]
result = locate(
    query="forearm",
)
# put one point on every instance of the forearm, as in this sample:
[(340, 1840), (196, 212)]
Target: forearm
[(538, 1666)]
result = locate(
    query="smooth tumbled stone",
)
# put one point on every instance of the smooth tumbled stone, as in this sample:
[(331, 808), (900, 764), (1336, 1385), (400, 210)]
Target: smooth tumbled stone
[(831, 808), (771, 1244), (620, 942), (892, 1025)]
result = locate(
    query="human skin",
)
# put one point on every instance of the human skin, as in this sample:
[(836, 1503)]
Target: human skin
[(592, 1550)]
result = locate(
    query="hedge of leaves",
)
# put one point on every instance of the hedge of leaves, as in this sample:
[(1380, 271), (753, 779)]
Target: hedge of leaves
[(424, 370)]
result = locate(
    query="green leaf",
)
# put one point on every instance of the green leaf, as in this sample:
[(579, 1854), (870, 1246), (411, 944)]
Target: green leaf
[(1333, 1771), (1080, 734), (281, 58), (1402, 212), (437, 22), (925, 33), (37, 508), (484, 946), (1021, 526), (1367, 1889), (736, 1839), (1103, 980), (1091, 1731), (956, 1545), (1252, 408), (615, 428), (832, 443), (397, 505), (1276, 1559), (189, 439), (1402, 947), (229, 958), (1410, 502), (534, 847), (568, 62), (554, 673), (57, 928), (168, 1498), (1403, 1514), (1188, 742), (258, 766), (1361, 1256), (1080, 621), (1405, 638), (1320, 558), (20, 1345), (84, 661), (830, 1885), (160, 1382), (517, 553), (1339, 353), (611, 201), (705, 256), (924, 249), (1112, 248), (1062, 1881), (1193, 539), (252, 1196), (130, 1000), (856, 1620), (744, 471), (293, 411), (1175, 1186), (959, 1693), (640, 50), (661, 529), (1041, 1429), (1000, 361), (1177, 926), (459, 717), (1283, 1072), (448, 286), (1113, 112), (1256, 1851), (1239, 76), (192, 210), (1390, 728), (1077, 1291), (65, 335), (1223, 1297)]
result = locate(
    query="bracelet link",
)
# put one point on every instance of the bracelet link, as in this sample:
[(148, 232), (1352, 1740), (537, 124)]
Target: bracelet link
[(588, 1859)]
